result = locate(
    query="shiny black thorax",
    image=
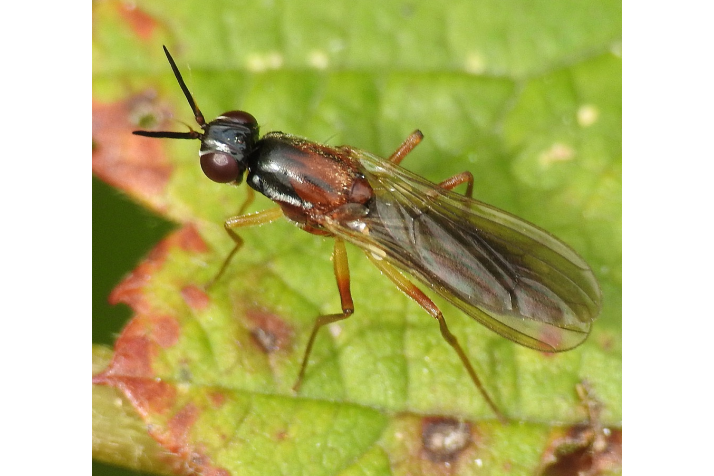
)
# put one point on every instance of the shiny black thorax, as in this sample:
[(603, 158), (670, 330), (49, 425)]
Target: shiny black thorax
[(309, 181)]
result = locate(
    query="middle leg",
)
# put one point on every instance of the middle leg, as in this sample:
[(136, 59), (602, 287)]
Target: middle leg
[(342, 275)]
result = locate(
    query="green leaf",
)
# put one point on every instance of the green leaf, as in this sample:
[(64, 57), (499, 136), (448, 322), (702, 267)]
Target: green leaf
[(526, 95)]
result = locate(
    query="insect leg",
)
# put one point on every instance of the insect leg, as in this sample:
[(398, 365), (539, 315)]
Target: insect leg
[(464, 177), (406, 147), (452, 182), (342, 275), (408, 288), (252, 219)]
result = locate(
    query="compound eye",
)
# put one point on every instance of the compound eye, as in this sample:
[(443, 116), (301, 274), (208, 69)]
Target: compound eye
[(221, 167), (240, 117)]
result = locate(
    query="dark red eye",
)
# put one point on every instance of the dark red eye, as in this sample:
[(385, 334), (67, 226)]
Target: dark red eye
[(240, 117), (220, 167)]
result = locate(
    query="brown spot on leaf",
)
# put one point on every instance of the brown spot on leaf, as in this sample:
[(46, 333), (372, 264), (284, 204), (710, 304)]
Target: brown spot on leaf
[(217, 399), (196, 462), (179, 427), (216, 472), (131, 367), (201, 464), (443, 439), (190, 240), (155, 399), (133, 351), (148, 396), (131, 163), (195, 297), (270, 332), (577, 451), (140, 22), (266, 340), (165, 330), (586, 449), (131, 290)]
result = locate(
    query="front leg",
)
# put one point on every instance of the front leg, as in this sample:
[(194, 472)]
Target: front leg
[(243, 221)]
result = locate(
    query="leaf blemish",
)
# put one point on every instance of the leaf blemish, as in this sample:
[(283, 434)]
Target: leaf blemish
[(165, 330), (180, 425), (586, 448), (270, 332), (195, 297), (217, 399), (142, 23), (190, 240), (579, 451), (133, 353), (131, 368), (443, 439), (124, 161), (131, 290)]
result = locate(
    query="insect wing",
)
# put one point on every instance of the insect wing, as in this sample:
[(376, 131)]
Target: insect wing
[(511, 276)]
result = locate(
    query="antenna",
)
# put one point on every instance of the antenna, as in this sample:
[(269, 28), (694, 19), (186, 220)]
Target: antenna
[(191, 102)]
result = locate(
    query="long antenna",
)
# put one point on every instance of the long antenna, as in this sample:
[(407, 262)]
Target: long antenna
[(191, 102), (168, 134), (196, 111)]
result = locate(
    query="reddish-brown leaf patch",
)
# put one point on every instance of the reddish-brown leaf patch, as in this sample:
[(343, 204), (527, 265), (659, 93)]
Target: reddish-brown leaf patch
[(131, 367), (178, 440), (131, 290), (179, 427), (165, 330), (579, 450), (133, 352), (217, 399), (270, 332), (195, 297), (215, 472), (139, 364), (141, 23), (131, 163), (587, 449)]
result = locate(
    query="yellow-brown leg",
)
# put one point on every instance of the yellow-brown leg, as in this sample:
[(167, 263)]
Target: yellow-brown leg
[(464, 177), (243, 221), (406, 147), (408, 288), (342, 275), (412, 141)]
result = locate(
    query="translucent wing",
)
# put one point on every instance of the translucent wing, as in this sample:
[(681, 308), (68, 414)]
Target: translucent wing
[(511, 276)]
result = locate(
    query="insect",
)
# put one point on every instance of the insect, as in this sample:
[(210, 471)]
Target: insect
[(511, 276)]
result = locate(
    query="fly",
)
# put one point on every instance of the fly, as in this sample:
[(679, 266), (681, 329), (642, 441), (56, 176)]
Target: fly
[(511, 276)]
